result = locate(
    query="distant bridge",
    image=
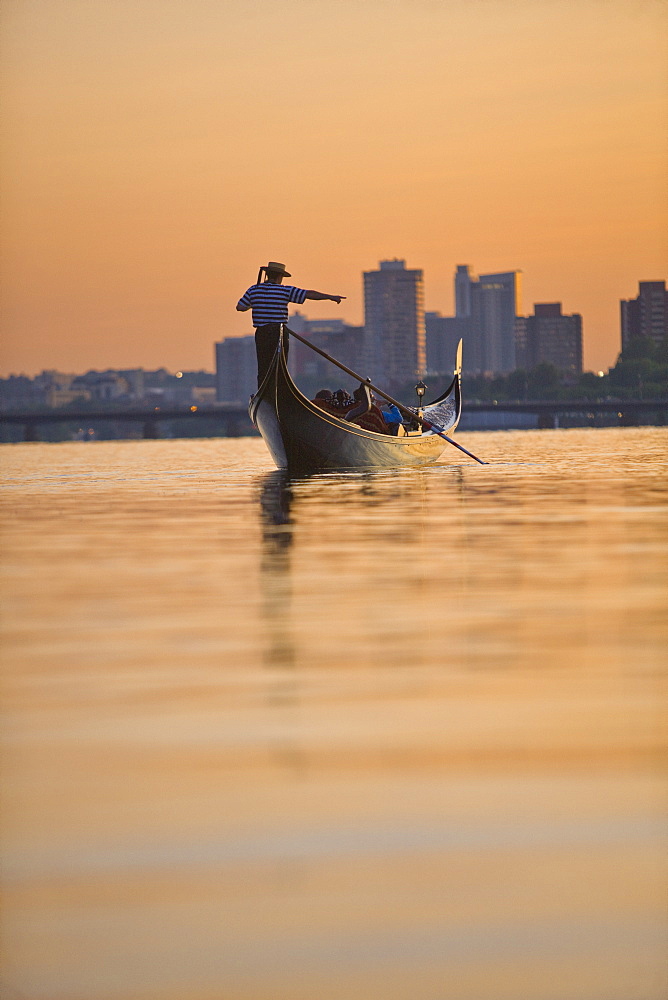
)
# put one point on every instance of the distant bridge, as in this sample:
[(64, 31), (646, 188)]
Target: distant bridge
[(629, 412), (231, 418), (233, 421)]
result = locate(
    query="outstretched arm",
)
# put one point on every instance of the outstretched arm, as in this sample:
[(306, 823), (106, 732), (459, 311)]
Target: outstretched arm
[(241, 307), (322, 295)]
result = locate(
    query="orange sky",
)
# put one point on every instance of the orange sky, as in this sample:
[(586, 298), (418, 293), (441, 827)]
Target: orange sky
[(156, 152)]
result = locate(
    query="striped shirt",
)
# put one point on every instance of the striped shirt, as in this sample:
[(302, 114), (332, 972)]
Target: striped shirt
[(269, 302)]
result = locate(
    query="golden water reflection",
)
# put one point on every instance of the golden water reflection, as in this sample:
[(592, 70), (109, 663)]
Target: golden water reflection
[(375, 735)]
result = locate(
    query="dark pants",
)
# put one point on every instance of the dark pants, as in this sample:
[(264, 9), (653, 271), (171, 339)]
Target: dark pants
[(266, 342)]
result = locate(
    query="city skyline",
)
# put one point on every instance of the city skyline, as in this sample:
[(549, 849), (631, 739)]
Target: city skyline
[(143, 183), (479, 324)]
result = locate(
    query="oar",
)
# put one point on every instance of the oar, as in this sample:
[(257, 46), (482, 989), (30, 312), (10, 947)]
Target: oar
[(411, 414)]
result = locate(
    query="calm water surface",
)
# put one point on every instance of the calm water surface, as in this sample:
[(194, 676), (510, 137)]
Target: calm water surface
[(381, 736)]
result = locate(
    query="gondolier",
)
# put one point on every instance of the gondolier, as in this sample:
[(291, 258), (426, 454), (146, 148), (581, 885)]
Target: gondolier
[(268, 299)]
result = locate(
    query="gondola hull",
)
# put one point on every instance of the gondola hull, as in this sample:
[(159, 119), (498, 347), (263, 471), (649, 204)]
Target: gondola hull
[(302, 437)]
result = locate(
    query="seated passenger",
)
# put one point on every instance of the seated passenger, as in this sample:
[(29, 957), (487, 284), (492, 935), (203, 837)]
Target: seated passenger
[(392, 417), (342, 400), (362, 398), (338, 402), (324, 399), (373, 421), (366, 413)]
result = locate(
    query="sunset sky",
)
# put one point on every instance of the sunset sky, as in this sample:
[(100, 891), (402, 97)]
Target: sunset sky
[(157, 152)]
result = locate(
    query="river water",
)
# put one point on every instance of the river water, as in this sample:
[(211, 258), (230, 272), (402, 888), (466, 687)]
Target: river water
[(380, 736)]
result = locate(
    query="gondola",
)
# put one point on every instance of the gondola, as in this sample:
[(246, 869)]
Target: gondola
[(303, 438)]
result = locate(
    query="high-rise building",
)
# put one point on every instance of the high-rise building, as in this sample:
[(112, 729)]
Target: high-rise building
[(394, 330), (443, 333), (487, 309), (495, 304), (555, 339), (647, 315), (236, 369), (487, 318), (463, 282)]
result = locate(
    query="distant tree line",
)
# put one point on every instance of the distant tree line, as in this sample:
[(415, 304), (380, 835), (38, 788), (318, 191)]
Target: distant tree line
[(641, 372)]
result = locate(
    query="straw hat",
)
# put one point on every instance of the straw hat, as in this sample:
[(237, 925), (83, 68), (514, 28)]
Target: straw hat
[(273, 267)]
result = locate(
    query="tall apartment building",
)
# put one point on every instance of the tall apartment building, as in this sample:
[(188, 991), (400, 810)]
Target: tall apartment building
[(394, 330), (487, 318), (552, 338), (647, 315), (236, 369), (491, 305), (463, 282)]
